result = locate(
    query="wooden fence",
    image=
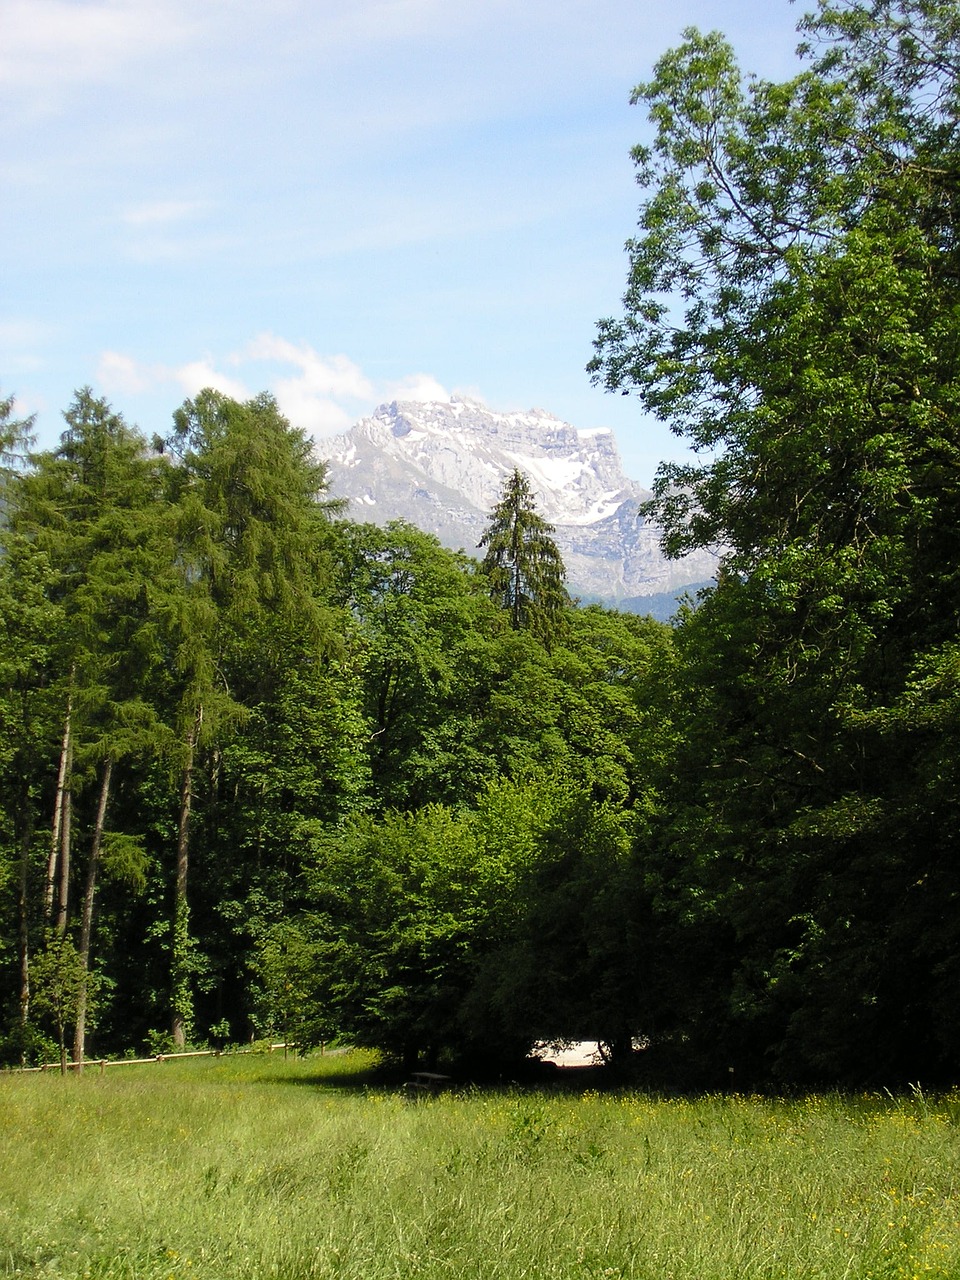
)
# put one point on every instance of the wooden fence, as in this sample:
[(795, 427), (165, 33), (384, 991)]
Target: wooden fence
[(103, 1063)]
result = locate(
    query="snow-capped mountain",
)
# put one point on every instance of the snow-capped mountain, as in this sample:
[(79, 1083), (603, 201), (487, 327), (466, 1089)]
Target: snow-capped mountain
[(441, 466)]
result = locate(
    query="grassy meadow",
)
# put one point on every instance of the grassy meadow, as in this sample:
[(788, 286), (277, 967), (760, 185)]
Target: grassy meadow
[(253, 1167)]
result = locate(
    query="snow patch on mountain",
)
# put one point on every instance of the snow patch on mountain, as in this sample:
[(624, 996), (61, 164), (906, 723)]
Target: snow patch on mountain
[(441, 466)]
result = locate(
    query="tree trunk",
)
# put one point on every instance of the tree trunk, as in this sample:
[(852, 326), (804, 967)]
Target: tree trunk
[(86, 922), (181, 1000), (26, 837), (66, 749), (64, 895)]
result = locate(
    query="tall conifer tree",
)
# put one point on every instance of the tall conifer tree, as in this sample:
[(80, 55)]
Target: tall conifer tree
[(88, 514), (250, 516), (522, 561)]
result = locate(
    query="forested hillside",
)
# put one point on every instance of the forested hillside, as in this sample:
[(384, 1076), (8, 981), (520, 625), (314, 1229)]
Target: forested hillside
[(267, 771)]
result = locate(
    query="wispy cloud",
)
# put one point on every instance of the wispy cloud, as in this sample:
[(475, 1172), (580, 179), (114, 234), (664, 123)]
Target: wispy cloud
[(417, 386), (120, 374), (368, 22), (50, 44), (21, 345), (323, 395), (327, 375), (196, 375), (154, 213)]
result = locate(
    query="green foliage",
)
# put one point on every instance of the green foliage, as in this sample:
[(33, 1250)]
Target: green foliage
[(287, 963), (184, 965), (562, 963), (524, 568), (29, 621), (252, 480), (257, 677), (418, 639), (475, 933), (249, 526), (59, 982), (307, 1169), (396, 914), (791, 311), (125, 859)]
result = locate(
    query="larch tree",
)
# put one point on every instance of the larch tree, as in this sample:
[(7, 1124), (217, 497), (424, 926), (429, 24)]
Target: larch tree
[(27, 620), (250, 514), (89, 508)]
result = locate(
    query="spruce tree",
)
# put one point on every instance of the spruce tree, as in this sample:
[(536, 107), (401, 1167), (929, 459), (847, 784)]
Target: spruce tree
[(522, 562)]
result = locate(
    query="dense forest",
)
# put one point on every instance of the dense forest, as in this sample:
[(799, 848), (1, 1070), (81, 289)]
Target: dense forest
[(266, 771)]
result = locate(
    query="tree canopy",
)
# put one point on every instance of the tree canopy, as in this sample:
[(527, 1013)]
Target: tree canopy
[(268, 771), (791, 311)]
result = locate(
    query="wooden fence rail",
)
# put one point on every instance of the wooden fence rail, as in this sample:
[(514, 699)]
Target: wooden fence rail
[(103, 1063)]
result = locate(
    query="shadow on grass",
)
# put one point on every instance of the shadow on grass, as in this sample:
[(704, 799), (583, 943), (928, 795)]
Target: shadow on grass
[(343, 1079), (522, 1077)]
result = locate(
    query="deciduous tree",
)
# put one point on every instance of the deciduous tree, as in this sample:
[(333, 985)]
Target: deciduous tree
[(791, 312)]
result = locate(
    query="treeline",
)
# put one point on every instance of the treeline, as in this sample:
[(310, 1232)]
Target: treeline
[(268, 771)]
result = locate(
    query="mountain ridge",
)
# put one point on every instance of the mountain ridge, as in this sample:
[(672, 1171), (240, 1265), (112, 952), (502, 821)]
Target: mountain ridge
[(441, 465)]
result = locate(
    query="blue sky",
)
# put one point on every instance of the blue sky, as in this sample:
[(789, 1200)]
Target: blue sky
[(342, 203)]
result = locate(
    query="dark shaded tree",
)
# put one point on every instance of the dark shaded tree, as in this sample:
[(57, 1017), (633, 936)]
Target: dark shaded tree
[(790, 310), (522, 562)]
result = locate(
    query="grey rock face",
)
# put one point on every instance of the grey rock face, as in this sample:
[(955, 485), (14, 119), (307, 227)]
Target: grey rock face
[(441, 466)]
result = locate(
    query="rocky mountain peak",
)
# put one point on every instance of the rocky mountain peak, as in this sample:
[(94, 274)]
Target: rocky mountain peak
[(441, 466)]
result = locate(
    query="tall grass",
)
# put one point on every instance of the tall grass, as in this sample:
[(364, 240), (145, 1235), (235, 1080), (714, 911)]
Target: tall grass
[(252, 1167)]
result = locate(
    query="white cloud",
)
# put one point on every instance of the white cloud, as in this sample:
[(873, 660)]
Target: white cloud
[(317, 415), (417, 386), (48, 44), (21, 333), (324, 395), (162, 212), (324, 375), (19, 343), (24, 409), (25, 362), (198, 374), (122, 374), (332, 393), (406, 20), (471, 393), (327, 393), (119, 373)]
